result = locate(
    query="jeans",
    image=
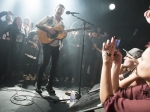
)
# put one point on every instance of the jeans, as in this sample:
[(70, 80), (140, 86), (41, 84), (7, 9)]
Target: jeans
[(48, 52)]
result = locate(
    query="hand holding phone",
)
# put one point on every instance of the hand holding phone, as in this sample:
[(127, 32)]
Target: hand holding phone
[(117, 41)]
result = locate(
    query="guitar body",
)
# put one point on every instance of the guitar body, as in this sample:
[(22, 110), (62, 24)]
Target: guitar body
[(46, 38)]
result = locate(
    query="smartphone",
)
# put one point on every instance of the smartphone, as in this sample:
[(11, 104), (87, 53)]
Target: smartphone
[(117, 41)]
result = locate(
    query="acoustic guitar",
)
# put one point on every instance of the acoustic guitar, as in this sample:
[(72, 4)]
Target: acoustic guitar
[(46, 37)]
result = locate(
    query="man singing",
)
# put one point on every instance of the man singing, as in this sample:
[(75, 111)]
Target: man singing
[(50, 50)]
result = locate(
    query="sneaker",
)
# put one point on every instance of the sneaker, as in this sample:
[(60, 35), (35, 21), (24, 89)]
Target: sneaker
[(38, 90), (50, 90)]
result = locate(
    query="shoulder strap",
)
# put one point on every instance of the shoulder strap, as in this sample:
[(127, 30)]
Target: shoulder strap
[(50, 20)]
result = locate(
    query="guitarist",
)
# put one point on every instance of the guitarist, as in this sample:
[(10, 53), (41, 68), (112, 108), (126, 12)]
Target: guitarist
[(51, 49)]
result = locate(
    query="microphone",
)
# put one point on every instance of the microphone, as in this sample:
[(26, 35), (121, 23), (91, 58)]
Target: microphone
[(68, 12)]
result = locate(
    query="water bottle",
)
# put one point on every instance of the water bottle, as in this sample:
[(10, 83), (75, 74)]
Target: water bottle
[(72, 96), (4, 36)]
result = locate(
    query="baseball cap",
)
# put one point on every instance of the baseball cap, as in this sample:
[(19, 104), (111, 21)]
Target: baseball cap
[(134, 52)]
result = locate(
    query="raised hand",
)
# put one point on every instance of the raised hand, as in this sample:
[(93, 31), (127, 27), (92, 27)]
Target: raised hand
[(108, 50), (147, 16), (117, 57)]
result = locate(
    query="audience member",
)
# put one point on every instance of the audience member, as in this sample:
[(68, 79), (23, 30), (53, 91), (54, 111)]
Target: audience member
[(33, 47), (96, 42), (8, 20), (129, 62), (27, 25), (128, 99), (17, 41)]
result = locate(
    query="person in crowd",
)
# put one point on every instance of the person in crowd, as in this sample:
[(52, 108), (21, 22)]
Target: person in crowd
[(93, 56), (63, 62), (8, 20), (96, 42), (32, 50), (87, 56), (27, 25), (51, 49), (130, 99), (129, 62), (73, 53), (104, 37), (17, 42), (128, 68)]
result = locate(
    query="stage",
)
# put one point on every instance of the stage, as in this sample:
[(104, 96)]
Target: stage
[(20, 96)]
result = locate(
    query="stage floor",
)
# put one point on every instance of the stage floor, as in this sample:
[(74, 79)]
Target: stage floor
[(20, 96)]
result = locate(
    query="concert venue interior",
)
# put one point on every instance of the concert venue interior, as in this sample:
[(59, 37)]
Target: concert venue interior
[(75, 66)]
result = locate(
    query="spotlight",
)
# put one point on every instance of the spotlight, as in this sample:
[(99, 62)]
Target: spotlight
[(112, 6)]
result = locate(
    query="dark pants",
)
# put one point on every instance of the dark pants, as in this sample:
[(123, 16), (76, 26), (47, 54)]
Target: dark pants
[(86, 63), (97, 70), (74, 64), (48, 52)]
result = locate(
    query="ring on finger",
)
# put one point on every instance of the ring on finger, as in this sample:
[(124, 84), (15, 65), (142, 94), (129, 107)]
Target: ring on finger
[(108, 54)]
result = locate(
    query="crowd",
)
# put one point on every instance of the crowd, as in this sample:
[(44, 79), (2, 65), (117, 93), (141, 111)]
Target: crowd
[(24, 55), (123, 86)]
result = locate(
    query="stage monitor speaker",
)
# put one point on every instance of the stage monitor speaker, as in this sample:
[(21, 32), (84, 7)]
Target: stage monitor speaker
[(88, 102)]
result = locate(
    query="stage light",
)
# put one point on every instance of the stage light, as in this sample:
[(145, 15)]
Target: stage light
[(112, 6)]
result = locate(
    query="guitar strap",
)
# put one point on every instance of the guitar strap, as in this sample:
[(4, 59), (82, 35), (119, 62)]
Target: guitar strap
[(50, 21)]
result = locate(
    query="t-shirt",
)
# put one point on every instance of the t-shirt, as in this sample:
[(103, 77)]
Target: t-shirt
[(131, 99), (98, 44)]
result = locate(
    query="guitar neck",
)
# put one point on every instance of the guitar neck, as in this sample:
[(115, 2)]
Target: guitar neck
[(74, 29)]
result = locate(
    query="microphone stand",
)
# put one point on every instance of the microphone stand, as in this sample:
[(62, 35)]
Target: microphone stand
[(84, 23)]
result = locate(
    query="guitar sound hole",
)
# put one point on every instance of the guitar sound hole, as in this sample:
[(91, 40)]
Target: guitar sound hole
[(52, 36)]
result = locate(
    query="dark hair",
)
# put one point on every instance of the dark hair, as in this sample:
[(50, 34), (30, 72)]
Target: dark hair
[(61, 6), (15, 24), (94, 31), (14, 21)]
